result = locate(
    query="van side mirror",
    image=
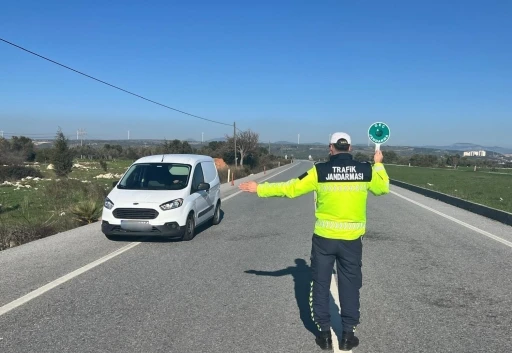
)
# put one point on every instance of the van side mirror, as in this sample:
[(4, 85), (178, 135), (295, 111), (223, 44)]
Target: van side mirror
[(114, 183), (203, 186)]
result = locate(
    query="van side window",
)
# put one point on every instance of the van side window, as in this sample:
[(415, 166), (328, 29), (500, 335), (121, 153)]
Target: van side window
[(198, 177), (209, 171)]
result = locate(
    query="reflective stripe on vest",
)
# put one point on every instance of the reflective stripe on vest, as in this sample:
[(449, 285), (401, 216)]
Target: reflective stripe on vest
[(340, 225), (344, 187)]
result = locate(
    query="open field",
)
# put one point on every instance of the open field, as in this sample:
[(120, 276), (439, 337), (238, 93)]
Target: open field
[(493, 189), (50, 197), (487, 170)]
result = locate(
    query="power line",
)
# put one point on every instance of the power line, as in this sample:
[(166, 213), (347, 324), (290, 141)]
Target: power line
[(108, 84)]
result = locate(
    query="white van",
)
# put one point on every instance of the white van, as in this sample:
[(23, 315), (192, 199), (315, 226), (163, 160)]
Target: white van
[(163, 195)]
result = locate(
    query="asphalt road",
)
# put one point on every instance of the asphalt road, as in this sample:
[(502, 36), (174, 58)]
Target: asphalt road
[(430, 283)]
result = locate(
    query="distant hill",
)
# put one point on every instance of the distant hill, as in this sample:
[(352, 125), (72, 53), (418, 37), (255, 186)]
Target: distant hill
[(218, 139), (464, 146)]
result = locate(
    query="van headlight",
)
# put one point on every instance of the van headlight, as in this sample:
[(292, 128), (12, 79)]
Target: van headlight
[(171, 204), (108, 203)]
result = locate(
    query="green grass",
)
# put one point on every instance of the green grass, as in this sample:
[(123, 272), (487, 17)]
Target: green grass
[(52, 199), (487, 170), (490, 189)]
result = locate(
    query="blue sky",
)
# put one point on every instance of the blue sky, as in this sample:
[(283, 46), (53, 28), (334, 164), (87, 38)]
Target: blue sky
[(277, 67)]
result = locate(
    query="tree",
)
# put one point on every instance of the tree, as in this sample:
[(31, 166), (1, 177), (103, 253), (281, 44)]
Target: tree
[(175, 147), (43, 155), (62, 158), (17, 150), (246, 142), (453, 160), (390, 156), (24, 146), (424, 160), (361, 157)]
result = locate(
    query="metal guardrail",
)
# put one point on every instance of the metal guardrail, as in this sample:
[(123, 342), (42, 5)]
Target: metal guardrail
[(489, 212)]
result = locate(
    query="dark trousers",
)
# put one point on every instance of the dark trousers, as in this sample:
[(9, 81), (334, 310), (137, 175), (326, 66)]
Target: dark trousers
[(348, 257)]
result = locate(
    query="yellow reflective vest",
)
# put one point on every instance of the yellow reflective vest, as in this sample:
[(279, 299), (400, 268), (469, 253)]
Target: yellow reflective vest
[(342, 186)]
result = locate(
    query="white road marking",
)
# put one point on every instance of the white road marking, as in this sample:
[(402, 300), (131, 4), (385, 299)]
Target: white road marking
[(478, 230), (334, 293), (37, 292)]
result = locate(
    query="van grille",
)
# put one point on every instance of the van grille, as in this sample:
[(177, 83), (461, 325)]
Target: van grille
[(135, 213), (119, 229)]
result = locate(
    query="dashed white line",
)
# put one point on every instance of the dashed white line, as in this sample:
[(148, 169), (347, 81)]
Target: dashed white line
[(335, 343), (37, 292), (469, 226), (335, 294)]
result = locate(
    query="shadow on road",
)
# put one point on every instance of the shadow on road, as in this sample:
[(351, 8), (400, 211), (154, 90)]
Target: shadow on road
[(301, 274)]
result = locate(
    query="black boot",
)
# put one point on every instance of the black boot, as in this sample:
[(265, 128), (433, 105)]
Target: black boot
[(324, 340), (348, 341)]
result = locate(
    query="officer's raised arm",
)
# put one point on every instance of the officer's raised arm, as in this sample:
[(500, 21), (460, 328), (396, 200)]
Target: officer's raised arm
[(380, 179)]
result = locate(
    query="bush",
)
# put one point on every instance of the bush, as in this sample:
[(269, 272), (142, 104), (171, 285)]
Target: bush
[(103, 165), (87, 211), (70, 191), (18, 234), (43, 155), (18, 172)]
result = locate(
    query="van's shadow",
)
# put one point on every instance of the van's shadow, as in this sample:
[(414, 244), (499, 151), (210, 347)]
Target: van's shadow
[(301, 274), (159, 239)]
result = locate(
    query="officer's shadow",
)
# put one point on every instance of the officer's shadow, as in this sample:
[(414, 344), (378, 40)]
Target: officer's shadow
[(301, 274)]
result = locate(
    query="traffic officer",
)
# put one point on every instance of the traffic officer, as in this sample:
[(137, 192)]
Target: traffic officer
[(342, 186)]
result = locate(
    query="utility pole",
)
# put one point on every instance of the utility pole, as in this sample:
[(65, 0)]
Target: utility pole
[(234, 137), (128, 134), (298, 139), (202, 137), (269, 148), (81, 133)]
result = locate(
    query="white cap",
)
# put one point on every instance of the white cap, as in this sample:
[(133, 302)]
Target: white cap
[(340, 135)]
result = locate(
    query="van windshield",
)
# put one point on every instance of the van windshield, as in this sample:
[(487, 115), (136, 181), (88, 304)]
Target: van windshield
[(156, 176)]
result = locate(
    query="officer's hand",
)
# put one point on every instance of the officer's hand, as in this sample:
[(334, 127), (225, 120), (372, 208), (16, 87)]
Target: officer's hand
[(249, 186), (378, 156)]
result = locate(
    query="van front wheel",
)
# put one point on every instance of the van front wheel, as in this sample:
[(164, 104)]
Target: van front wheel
[(216, 214), (189, 228)]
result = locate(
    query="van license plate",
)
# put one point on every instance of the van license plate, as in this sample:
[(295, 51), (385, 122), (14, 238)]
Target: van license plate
[(136, 226)]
